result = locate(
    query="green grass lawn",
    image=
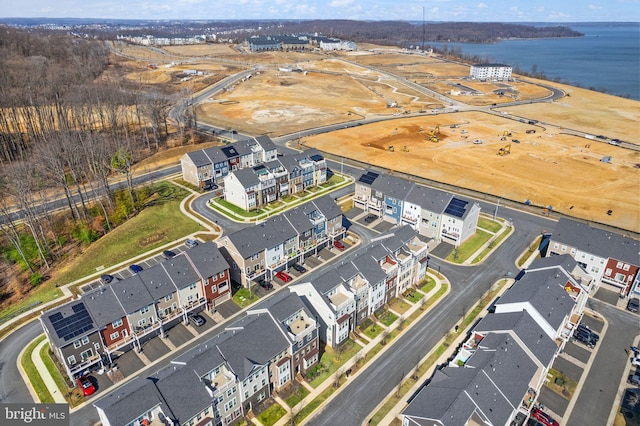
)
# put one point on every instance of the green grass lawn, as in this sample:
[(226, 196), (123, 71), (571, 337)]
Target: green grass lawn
[(272, 414), (414, 297), (297, 396), (489, 224), (316, 402), (32, 373), (386, 317), (400, 305), (243, 297), (372, 331), (495, 243), (469, 247), (217, 202), (331, 361), (532, 247), (429, 284)]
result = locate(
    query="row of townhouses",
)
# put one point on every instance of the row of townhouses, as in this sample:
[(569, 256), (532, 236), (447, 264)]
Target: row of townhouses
[(120, 316), (491, 72), (609, 258), (253, 187), (259, 252), (345, 296), (261, 43), (207, 167), (220, 381), (433, 213), (497, 373)]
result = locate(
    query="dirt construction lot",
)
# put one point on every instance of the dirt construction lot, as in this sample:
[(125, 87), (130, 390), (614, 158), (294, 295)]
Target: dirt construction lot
[(548, 167)]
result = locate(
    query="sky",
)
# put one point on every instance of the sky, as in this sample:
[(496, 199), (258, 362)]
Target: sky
[(406, 10)]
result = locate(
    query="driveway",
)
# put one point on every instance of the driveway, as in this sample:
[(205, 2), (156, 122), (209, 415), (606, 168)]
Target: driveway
[(608, 296), (129, 363), (154, 348), (553, 401), (578, 351), (227, 309), (179, 335), (568, 368)]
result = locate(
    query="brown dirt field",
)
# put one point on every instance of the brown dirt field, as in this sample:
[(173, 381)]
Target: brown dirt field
[(532, 171), (208, 49)]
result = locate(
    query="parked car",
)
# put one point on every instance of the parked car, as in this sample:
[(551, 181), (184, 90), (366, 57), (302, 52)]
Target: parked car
[(85, 384), (634, 379), (191, 243), (106, 278), (265, 284), (633, 304), (585, 329), (299, 268), (370, 218), (339, 245), (168, 254), (543, 417), (135, 268), (196, 320), (283, 276), (585, 338), (635, 361)]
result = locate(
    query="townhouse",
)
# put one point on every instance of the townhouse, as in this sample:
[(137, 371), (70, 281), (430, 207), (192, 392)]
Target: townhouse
[(344, 297), (224, 379), (609, 258), (115, 318), (492, 72), (253, 187), (260, 251), (207, 167), (433, 213), (496, 375)]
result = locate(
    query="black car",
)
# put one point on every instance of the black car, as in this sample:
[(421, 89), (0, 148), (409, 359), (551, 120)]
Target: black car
[(106, 278), (168, 254), (585, 338), (633, 304), (265, 284), (583, 328), (196, 320), (299, 268), (369, 218)]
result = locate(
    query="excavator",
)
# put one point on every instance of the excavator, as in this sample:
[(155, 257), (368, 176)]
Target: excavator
[(505, 150), (432, 135), (506, 134)]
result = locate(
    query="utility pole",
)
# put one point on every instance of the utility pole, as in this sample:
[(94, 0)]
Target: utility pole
[(495, 213)]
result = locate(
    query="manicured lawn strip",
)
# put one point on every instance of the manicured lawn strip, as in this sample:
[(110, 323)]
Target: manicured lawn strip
[(532, 247), (400, 305), (235, 209), (332, 361), (414, 297), (297, 396), (469, 247), (489, 225), (372, 331), (57, 377), (32, 373), (565, 389), (316, 402), (272, 414), (492, 245), (386, 317), (429, 285), (243, 297)]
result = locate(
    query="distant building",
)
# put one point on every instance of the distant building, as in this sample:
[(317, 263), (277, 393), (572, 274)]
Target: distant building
[(493, 72)]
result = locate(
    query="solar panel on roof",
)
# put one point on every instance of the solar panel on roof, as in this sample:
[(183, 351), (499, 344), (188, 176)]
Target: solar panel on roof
[(73, 325), (454, 211)]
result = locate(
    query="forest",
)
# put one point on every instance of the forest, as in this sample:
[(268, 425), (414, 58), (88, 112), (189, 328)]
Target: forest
[(66, 129)]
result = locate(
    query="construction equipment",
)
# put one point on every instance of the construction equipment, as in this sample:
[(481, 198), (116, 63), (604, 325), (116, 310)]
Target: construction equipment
[(391, 148), (435, 131), (506, 134), (433, 139), (505, 150), (530, 131), (405, 149)]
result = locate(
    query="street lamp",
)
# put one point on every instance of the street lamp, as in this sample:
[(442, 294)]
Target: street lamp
[(428, 259)]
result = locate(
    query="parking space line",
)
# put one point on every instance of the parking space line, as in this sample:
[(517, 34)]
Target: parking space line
[(142, 357), (169, 343)]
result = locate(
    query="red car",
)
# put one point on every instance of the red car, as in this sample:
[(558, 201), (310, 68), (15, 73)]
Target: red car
[(283, 276), (339, 245), (543, 417), (86, 385)]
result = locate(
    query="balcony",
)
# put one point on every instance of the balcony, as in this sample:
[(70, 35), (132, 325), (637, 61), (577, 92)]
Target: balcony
[(340, 301), (84, 364), (119, 344)]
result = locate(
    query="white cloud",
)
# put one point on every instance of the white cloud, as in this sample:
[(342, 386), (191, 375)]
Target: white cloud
[(482, 6), (594, 7), (340, 3)]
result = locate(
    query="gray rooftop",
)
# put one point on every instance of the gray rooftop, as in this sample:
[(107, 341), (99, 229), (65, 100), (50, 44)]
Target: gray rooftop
[(103, 305), (207, 259), (392, 186), (132, 293), (327, 206), (157, 282), (527, 330), (429, 199), (564, 261), (597, 241), (172, 381), (180, 271), (247, 177), (199, 158), (68, 322), (266, 143), (545, 291)]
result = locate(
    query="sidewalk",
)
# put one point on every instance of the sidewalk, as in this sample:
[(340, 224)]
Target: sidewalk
[(505, 225), (350, 363), (58, 398)]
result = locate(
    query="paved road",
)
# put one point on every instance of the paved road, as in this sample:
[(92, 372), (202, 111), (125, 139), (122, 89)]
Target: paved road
[(12, 386), (468, 284)]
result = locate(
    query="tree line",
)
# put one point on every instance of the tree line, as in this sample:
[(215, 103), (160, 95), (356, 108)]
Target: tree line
[(65, 131)]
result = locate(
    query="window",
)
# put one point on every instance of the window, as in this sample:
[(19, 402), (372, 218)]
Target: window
[(221, 275), (77, 344), (168, 297), (124, 334), (85, 340), (214, 289), (142, 322), (619, 265), (117, 323), (192, 286), (620, 277), (626, 267), (229, 405), (190, 298), (607, 272), (144, 310), (96, 346), (86, 354), (71, 360)]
